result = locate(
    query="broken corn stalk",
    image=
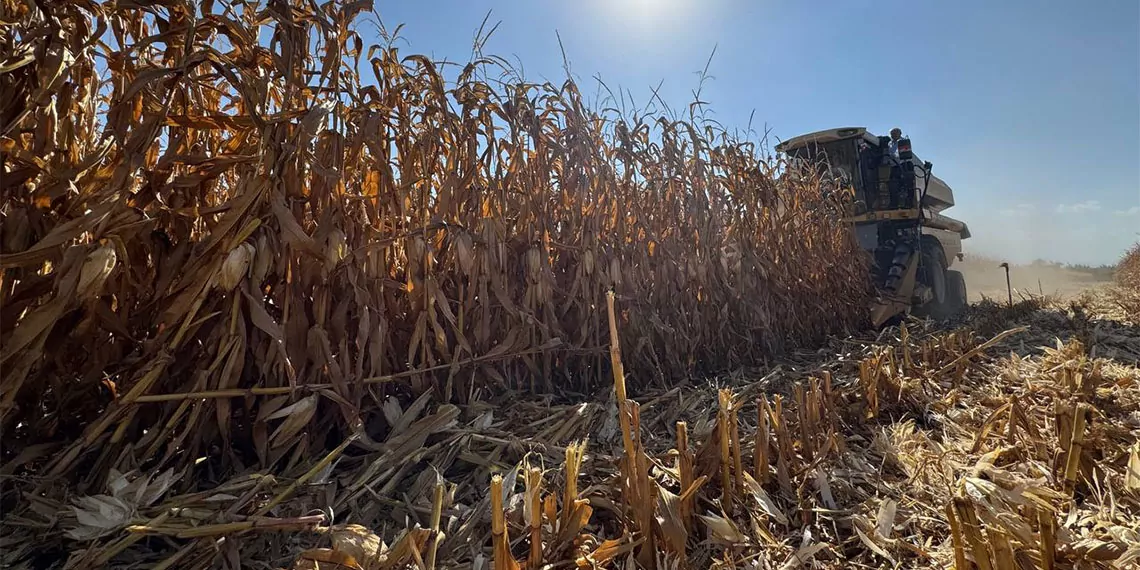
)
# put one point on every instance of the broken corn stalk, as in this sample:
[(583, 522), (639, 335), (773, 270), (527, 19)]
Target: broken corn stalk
[(737, 460), (1047, 524), (500, 543), (534, 502), (1076, 442), (726, 481), (760, 448), (685, 471), (972, 531), (437, 534)]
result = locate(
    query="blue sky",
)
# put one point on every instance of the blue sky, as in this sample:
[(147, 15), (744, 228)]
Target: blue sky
[(1030, 110)]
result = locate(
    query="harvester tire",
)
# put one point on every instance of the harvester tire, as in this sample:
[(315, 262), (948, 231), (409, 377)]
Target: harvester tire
[(937, 268), (956, 291), (955, 300), (941, 307)]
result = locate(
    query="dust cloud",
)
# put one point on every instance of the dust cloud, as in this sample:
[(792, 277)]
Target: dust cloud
[(986, 279)]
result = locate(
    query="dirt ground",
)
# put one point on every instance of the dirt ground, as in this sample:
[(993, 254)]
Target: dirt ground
[(985, 279)]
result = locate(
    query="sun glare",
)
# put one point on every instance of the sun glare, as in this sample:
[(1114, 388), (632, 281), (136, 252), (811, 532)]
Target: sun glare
[(647, 19)]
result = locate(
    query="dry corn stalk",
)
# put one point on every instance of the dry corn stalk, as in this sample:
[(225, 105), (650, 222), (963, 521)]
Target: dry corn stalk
[(1076, 443), (737, 459), (971, 529), (829, 400), (635, 467), (1047, 525), (503, 558), (785, 453), (533, 499), (644, 493), (575, 453), (904, 344), (869, 380), (1011, 425), (437, 534), (630, 495), (957, 538), (302, 220), (803, 411), (763, 439), (1002, 552), (726, 462), (685, 471)]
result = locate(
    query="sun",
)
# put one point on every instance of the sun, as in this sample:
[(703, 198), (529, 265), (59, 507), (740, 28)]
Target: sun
[(646, 19)]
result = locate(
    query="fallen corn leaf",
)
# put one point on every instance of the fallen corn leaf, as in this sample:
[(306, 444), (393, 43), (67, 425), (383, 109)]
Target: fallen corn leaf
[(874, 547), (341, 559), (1132, 471), (670, 520), (358, 542), (607, 551), (803, 556), (764, 500), (723, 529), (885, 521)]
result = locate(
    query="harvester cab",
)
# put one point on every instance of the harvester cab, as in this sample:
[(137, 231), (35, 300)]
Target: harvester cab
[(897, 218)]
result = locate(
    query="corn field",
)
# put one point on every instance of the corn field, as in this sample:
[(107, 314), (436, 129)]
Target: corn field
[(1128, 269), (217, 216), (274, 297)]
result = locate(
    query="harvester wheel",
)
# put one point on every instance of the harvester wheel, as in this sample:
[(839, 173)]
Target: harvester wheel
[(956, 291), (942, 306), (955, 300), (937, 268)]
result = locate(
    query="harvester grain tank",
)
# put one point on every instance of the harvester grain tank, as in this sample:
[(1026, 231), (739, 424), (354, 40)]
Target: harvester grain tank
[(897, 218)]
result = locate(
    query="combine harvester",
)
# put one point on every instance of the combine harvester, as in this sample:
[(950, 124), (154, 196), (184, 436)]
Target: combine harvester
[(897, 219)]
